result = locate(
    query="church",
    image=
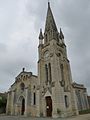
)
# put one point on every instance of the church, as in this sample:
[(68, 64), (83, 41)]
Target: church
[(52, 93)]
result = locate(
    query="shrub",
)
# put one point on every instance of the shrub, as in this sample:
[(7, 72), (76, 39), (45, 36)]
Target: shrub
[(84, 111), (3, 102)]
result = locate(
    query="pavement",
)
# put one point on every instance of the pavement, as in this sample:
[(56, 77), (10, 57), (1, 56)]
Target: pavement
[(80, 117)]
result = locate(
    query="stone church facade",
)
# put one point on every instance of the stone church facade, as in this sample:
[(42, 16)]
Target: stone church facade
[(51, 93)]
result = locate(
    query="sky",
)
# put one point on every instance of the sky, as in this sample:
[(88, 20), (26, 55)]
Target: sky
[(20, 23)]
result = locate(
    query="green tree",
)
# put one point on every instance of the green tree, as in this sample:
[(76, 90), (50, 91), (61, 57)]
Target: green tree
[(2, 102)]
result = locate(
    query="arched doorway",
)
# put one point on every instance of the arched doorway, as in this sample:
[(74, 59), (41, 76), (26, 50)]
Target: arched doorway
[(48, 106), (23, 107)]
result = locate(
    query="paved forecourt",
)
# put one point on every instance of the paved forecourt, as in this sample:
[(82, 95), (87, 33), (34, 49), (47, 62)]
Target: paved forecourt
[(81, 117)]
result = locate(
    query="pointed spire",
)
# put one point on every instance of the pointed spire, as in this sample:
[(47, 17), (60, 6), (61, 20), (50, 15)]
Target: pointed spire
[(50, 22)]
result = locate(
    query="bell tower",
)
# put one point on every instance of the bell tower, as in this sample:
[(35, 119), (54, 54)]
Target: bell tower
[(57, 96)]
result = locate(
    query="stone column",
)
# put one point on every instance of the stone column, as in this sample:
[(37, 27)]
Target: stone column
[(74, 102), (54, 104), (86, 101), (37, 102), (7, 107), (26, 102), (54, 89), (12, 103)]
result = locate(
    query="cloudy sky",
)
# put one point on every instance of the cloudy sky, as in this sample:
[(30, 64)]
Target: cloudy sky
[(20, 21)]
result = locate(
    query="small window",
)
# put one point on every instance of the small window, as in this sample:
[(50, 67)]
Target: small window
[(34, 87), (34, 98), (66, 101), (26, 76), (62, 72), (46, 70), (50, 75)]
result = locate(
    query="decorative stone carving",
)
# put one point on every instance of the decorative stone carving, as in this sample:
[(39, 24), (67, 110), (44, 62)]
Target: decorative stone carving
[(43, 92), (53, 84), (38, 87), (67, 88), (62, 83), (58, 54), (51, 54)]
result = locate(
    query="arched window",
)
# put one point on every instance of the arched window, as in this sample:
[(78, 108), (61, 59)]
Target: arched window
[(34, 98), (22, 86), (46, 71), (50, 75), (66, 101)]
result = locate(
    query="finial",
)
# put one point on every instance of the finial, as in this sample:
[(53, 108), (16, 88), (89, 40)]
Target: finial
[(40, 30), (23, 69), (60, 30), (40, 35), (61, 34), (48, 2)]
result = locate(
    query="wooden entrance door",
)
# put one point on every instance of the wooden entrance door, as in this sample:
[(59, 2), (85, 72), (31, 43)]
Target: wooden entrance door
[(23, 107), (49, 106)]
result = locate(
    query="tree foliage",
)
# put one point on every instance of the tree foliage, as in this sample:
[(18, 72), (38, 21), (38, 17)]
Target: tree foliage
[(2, 102)]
